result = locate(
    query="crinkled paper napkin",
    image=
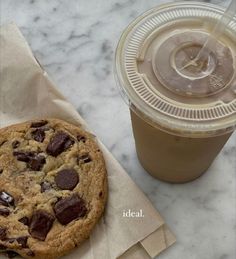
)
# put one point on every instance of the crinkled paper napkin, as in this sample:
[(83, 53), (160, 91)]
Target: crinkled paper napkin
[(26, 93)]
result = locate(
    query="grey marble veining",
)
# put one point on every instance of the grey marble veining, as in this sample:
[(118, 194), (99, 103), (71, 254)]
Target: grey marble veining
[(75, 42)]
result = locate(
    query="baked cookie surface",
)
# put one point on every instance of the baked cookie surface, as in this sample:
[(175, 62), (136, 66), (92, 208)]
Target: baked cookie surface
[(53, 188)]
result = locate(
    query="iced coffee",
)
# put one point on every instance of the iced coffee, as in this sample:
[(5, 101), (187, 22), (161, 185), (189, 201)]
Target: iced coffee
[(183, 106)]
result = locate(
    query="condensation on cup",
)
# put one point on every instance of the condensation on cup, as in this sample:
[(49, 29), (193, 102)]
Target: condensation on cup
[(182, 112)]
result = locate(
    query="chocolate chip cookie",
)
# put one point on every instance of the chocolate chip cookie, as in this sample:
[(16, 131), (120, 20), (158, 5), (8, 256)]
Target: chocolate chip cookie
[(53, 188)]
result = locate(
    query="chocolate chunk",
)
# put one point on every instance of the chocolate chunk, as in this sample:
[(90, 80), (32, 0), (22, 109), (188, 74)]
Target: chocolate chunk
[(81, 138), (67, 179), (59, 143), (11, 254), (1, 171), (38, 135), (30, 253), (6, 199), (70, 208), (24, 220), (23, 156), (15, 144), (45, 186), (22, 241), (84, 159), (3, 233), (36, 163), (40, 225), (4, 212), (38, 124), (33, 160)]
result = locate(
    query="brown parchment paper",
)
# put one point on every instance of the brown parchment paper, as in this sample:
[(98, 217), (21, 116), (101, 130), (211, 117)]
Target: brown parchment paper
[(26, 93)]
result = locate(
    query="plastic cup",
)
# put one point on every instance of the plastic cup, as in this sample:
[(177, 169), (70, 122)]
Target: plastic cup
[(181, 115)]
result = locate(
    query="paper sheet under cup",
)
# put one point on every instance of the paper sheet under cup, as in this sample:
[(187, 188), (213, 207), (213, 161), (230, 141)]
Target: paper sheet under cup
[(26, 93)]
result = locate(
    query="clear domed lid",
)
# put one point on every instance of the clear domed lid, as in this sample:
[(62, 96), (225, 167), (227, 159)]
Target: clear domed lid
[(156, 69)]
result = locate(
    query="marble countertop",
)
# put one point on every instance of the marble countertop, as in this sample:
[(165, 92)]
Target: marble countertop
[(75, 42)]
